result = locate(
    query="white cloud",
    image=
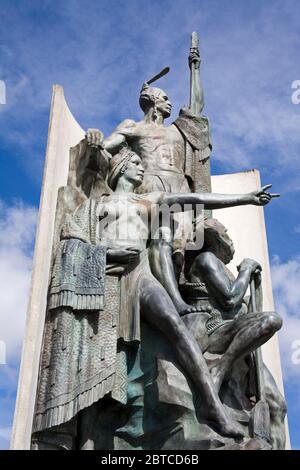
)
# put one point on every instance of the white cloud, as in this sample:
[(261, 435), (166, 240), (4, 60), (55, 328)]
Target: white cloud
[(17, 229), (249, 63), (286, 283), (249, 90)]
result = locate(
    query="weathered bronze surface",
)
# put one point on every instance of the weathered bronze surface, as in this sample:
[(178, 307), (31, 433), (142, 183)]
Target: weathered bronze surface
[(149, 344)]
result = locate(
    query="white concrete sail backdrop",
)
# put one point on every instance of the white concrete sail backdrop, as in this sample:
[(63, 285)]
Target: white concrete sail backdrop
[(64, 132)]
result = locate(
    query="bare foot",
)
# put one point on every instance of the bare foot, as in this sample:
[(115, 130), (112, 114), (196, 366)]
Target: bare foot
[(230, 428), (226, 426), (186, 308)]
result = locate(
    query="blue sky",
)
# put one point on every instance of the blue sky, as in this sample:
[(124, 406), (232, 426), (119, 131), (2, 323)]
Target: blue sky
[(101, 52)]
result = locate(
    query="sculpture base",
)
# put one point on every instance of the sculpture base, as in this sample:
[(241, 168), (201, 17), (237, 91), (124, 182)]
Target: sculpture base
[(163, 411)]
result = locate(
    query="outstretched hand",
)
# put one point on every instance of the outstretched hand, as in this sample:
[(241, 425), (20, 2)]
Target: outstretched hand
[(261, 197), (94, 138)]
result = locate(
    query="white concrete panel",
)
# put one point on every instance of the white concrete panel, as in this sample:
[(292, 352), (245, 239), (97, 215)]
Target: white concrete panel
[(64, 132)]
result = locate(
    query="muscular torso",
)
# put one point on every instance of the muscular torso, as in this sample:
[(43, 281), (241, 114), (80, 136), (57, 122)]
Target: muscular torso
[(160, 147)]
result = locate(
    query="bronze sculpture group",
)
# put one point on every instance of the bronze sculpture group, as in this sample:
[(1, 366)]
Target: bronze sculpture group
[(144, 338)]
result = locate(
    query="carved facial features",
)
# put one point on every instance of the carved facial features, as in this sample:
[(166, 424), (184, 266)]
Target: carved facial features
[(225, 246), (134, 171), (153, 97), (218, 241), (162, 103)]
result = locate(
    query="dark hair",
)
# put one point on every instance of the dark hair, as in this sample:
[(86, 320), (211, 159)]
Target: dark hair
[(146, 100)]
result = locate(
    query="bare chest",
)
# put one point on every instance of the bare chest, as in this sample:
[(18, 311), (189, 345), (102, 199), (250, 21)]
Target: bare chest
[(158, 146), (148, 136), (121, 218)]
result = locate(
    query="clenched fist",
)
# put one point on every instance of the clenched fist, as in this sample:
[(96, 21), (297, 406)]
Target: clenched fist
[(194, 58), (251, 264)]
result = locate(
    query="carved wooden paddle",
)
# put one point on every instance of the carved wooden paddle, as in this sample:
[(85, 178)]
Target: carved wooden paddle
[(261, 411)]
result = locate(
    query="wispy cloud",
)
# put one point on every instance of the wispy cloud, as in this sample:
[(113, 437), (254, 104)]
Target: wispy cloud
[(249, 63), (286, 282), (17, 229)]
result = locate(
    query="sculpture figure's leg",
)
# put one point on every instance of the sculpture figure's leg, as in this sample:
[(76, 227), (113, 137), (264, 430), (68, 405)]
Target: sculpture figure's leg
[(162, 267), (158, 309), (278, 409), (239, 337)]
